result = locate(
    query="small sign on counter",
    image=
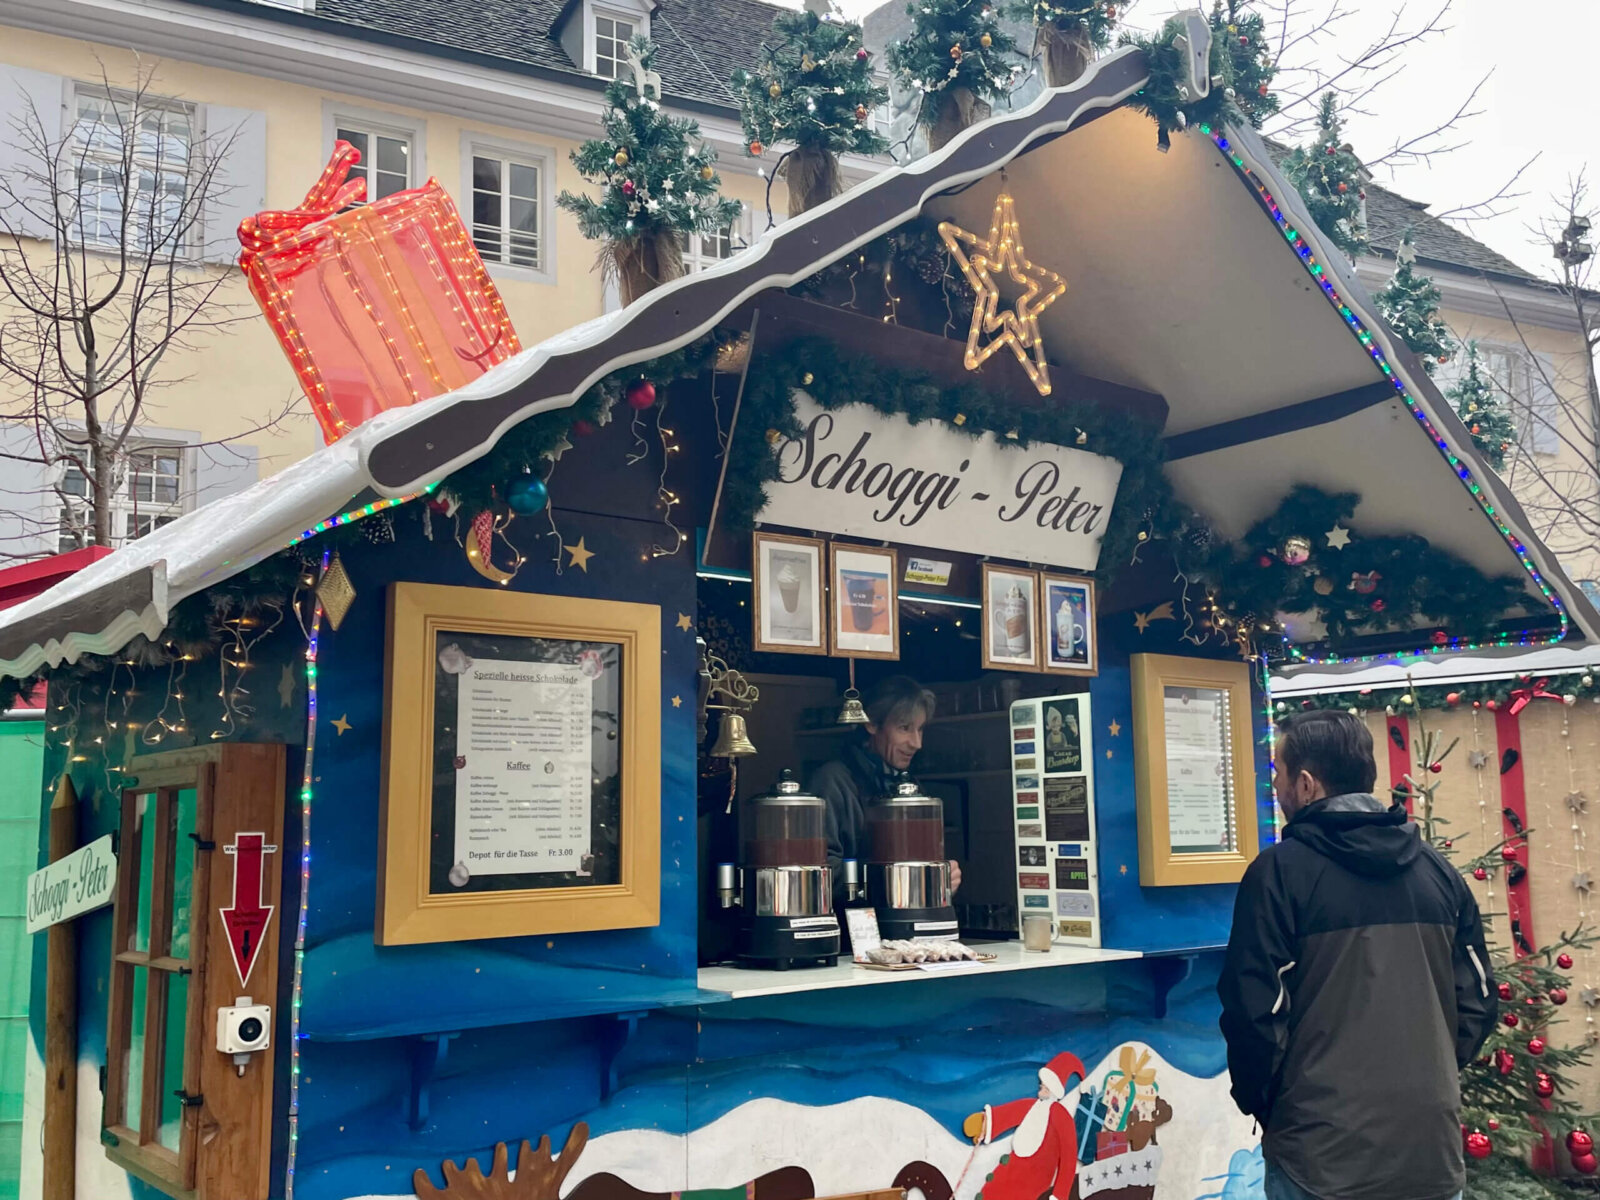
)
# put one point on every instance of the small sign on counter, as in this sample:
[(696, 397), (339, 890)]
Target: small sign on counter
[(864, 935)]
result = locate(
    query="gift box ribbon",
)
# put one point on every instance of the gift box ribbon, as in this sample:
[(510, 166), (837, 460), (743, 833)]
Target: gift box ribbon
[(1522, 697), (332, 192)]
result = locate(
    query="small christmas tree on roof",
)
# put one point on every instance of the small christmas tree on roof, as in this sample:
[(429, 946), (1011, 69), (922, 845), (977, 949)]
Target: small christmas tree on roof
[(813, 87), (1482, 409), (958, 58), (1410, 303), (1328, 174), (657, 180), (1068, 32), (1249, 64)]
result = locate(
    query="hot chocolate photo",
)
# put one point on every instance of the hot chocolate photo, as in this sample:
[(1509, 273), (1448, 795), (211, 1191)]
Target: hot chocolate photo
[(864, 621), (1069, 643), (1010, 619), (788, 577)]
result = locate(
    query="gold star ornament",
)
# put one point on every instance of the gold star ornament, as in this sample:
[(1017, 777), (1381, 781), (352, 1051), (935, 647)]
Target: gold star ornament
[(1017, 328)]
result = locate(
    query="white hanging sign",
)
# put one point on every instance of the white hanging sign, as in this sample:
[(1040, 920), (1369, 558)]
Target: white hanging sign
[(69, 887), (864, 473)]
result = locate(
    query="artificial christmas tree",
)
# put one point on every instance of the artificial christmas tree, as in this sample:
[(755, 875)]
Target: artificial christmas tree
[(1411, 306), (814, 87), (1329, 177), (957, 57), (1478, 402), (1248, 64), (657, 181), (1067, 33)]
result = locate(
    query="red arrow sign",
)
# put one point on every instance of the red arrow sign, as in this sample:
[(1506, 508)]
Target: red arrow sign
[(246, 918)]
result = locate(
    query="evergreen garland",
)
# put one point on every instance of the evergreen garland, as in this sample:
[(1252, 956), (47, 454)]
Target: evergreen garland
[(1165, 96), (766, 416), (1478, 402), (655, 174), (1491, 695), (954, 44), (1370, 586), (813, 87), (1410, 303), (1097, 19), (1329, 176), (1248, 65)]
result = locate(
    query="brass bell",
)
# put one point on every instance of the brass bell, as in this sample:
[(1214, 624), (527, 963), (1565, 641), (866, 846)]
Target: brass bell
[(732, 741), (852, 713)]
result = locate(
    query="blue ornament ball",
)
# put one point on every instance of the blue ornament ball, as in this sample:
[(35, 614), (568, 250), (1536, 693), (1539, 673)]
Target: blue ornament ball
[(527, 494)]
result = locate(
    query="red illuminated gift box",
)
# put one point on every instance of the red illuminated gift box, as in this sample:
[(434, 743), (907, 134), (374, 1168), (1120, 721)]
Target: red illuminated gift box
[(377, 306)]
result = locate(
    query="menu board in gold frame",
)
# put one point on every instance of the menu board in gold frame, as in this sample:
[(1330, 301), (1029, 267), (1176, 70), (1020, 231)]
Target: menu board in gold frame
[(521, 765), (1194, 770)]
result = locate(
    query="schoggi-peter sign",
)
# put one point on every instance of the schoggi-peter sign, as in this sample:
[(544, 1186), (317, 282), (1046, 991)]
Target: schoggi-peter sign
[(864, 473)]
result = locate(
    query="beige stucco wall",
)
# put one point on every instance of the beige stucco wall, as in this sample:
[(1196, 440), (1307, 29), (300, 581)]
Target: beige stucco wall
[(241, 378), (1573, 466)]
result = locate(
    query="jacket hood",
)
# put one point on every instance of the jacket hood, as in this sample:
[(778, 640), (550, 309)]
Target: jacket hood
[(1360, 833)]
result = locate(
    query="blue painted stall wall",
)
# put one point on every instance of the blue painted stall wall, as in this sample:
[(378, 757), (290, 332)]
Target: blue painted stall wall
[(354, 989), (947, 1046), (1152, 919)]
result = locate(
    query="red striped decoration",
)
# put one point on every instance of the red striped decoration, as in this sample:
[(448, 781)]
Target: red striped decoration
[(1519, 907)]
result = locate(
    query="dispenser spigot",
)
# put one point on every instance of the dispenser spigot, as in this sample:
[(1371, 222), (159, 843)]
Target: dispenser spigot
[(854, 888), (727, 889)]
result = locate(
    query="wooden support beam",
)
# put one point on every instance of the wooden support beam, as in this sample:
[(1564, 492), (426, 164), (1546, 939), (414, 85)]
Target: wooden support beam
[(1293, 417), (61, 1018)]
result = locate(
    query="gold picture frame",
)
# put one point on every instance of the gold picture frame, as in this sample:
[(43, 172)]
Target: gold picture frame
[(788, 616), (1194, 770), (863, 586), (433, 631)]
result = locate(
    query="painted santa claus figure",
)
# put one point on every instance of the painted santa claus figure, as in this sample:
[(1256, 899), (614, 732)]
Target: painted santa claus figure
[(1043, 1160)]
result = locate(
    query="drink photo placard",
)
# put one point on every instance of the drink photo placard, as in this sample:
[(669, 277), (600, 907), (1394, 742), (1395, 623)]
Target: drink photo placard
[(865, 603), (788, 576), (1067, 626), (1010, 619), (519, 737)]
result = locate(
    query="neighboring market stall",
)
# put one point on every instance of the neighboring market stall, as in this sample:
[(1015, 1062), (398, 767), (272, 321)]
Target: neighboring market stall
[(472, 727)]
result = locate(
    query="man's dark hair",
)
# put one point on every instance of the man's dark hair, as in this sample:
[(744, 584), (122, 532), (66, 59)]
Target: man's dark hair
[(1335, 747), (898, 698)]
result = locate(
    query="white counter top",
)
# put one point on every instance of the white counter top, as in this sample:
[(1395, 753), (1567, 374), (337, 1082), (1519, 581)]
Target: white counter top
[(737, 983)]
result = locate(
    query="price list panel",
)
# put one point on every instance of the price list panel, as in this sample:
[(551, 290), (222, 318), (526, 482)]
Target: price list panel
[(1052, 795)]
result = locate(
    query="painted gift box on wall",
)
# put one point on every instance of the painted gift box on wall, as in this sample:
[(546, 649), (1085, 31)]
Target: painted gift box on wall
[(379, 305)]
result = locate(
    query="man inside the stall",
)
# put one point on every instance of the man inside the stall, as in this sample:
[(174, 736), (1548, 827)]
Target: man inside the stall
[(871, 766)]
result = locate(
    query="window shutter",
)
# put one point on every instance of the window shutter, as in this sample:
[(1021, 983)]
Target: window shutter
[(239, 188), (24, 93), (28, 508), (1546, 407)]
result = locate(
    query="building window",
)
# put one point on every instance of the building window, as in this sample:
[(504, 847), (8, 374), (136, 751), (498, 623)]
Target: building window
[(385, 158), (506, 226), (149, 490), (611, 37), (132, 159), (1526, 386), (155, 1018), (702, 250)]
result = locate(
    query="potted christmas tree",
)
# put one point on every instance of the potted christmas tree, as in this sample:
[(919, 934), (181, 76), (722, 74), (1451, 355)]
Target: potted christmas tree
[(657, 181), (1411, 306), (958, 58), (1067, 33)]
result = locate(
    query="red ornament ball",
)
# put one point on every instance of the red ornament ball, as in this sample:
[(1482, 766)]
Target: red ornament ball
[(1579, 1142), (1449, 844), (1558, 995), (1564, 961), (1479, 874), (1544, 1086), (1243, 40), (1264, 561), (1536, 1046), (1506, 1061), (1585, 1164), (582, 428), (756, 148), (641, 394), (1378, 605), (861, 55), (1440, 638), (1509, 853), (1494, 1126), (1511, 1020), (1479, 1145), (1453, 699), (1436, 768), (1263, 89), (1505, 991), (1492, 705), (1333, 150), (1343, 187), (628, 187)]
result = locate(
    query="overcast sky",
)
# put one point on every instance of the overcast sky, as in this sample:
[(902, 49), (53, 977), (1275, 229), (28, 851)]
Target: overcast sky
[(1537, 102)]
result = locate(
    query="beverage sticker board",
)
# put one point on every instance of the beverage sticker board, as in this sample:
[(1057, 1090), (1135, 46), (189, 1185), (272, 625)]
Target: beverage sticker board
[(1052, 798)]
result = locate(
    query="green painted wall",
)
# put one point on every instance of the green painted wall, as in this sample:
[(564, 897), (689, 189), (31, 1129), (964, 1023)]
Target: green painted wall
[(21, 760)]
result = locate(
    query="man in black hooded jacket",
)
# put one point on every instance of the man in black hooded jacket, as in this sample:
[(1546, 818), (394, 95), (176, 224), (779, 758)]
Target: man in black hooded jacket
[(1356, 985)]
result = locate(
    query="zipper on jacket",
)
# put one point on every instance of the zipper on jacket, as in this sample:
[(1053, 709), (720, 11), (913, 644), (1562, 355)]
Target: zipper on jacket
[(1483, 979), (1283, 989)]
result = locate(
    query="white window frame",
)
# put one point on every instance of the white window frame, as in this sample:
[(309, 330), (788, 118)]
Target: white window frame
[(386, 124), (740, 236), (1535, 369), (542, 157), (636, 16), (124, 505), (77, 88)]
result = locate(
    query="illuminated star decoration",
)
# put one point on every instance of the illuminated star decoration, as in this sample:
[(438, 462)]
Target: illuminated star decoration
[(684, 623), (1018, 327), (1338, 537), (1161, 612), (581, 555), (342, 724)]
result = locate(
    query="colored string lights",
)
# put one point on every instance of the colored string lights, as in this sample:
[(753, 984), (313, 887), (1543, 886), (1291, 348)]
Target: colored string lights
[(1370, 343), (306, 780), (356, 514), (1018, 327)]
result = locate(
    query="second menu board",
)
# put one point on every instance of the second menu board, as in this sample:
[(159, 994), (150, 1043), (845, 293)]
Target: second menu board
[(1052, 785)]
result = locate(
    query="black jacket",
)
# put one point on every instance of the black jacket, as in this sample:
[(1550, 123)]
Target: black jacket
[(1356, 986), (849, 783)]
